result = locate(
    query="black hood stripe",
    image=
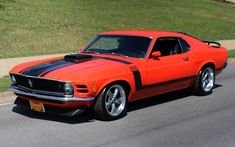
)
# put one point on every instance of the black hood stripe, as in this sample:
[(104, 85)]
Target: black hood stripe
[(45, 68), (41, 68), (28, 68), (54, 68)]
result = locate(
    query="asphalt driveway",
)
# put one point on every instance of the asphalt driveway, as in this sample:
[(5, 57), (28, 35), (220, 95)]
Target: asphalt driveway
[(175, 119)]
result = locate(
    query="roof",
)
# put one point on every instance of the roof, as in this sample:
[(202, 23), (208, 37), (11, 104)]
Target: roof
[(146, 33)]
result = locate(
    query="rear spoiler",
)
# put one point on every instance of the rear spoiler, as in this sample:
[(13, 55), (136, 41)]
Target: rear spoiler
[(213, 43), (210, 43)]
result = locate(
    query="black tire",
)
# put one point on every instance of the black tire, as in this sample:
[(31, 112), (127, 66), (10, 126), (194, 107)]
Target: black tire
[(199, 88), (100, 107)]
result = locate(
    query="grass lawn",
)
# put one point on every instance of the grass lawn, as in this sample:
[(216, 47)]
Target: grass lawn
[(31, 27), (231, 53), (4, 83)]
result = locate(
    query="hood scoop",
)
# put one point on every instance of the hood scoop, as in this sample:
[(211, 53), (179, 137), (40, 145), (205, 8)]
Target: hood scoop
[(76, 57)]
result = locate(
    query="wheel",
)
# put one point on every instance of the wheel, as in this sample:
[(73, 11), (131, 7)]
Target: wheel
[(111, 103), (205, 81)]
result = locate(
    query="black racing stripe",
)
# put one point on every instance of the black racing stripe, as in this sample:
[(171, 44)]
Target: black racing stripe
[(139, 86), (28, 68), (45, 68), (116, 60), (63, 65), (54, 68), (41, 68)]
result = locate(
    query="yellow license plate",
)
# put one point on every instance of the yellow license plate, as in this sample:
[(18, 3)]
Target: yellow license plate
[(35, 106)]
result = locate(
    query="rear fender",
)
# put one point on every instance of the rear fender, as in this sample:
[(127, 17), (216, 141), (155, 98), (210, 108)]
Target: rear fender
[(203, 64)]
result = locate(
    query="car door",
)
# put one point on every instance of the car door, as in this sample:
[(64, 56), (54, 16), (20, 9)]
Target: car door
[(171, 71)]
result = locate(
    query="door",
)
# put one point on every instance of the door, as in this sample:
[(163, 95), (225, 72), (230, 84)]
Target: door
[(171, 71)]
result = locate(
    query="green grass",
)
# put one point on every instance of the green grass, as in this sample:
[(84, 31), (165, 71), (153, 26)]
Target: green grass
[(31, 27), (4, 83), (231, 53)]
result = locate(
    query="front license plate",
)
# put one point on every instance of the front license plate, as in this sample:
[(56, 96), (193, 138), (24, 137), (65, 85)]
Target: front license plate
[(35, 106)]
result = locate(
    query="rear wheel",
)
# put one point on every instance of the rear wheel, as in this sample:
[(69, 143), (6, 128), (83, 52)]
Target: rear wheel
[(205, 81), (111, 103)]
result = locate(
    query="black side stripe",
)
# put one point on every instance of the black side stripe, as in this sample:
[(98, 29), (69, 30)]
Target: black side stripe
[(138, 80), (139, 86), (168, 82)]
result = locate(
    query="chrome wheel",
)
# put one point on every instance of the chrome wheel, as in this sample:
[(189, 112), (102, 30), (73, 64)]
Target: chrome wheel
[(115, 100), (207, 79)]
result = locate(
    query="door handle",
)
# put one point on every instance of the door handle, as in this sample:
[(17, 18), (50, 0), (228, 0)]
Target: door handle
[(185, 58)]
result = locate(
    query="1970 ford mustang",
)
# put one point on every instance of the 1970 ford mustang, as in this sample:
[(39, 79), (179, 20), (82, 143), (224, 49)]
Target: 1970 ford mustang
[(115, 68)]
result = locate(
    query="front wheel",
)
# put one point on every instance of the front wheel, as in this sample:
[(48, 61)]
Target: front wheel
[(111, 103), (205, 81)]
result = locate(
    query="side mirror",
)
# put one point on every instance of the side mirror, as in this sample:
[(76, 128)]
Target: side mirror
[(81, 48), (156, 54)]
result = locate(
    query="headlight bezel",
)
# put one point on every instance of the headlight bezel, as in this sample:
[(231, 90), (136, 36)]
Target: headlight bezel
[(68, 89), (13, 80)]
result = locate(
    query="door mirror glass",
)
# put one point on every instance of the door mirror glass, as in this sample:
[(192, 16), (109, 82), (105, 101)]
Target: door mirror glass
[(156, 54)]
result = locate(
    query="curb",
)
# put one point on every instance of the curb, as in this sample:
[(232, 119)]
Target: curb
[(231, 60), (228, 44), (7, 97), (7, 64)]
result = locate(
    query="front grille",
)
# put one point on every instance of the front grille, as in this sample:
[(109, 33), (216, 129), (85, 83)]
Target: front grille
[(39, 84)]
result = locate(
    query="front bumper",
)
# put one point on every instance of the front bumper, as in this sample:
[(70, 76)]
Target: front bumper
[(59, 105), (52, 110), (31, 93)]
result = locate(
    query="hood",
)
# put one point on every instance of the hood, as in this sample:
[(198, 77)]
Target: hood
[(73, 65)]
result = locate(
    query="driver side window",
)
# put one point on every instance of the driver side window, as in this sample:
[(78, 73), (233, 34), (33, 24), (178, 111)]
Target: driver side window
[(167, 46)]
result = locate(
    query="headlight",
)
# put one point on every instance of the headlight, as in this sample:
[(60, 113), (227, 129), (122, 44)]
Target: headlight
[(13, 79), (68, 89)]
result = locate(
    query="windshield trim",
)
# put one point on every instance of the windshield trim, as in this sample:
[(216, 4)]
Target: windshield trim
[(116, 35)]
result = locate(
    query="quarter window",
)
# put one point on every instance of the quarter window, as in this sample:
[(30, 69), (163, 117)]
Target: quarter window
[(184, 45)]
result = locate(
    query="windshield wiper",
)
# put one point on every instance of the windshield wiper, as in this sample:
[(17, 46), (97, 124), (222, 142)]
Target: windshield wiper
[(117, 54), (92, 52)]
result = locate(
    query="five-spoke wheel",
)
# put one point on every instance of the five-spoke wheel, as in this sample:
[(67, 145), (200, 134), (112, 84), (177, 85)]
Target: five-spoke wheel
[(115, 100), (111, 103), (205, 81)]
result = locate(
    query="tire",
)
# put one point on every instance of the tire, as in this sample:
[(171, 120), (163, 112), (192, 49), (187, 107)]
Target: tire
[(205, 81), (111, 103)]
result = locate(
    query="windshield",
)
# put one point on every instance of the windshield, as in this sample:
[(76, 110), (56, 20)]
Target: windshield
[(129, 46)]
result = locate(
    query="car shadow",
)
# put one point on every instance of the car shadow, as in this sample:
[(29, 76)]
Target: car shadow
[(85, 117), (164, 98), (88, 116)]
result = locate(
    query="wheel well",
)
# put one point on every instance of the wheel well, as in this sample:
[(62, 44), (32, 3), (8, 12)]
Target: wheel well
[(209, 64), (125, 85)]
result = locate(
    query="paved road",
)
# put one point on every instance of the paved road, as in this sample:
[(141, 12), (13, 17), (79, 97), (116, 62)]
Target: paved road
[(176, 119)]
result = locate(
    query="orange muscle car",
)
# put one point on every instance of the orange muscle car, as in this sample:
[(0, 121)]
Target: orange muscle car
[(115, 68)]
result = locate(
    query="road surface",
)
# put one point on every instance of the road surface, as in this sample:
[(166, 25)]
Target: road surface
[(175, 119)]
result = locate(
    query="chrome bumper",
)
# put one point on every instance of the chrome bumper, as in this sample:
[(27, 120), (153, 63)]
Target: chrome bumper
[(49, 97)]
